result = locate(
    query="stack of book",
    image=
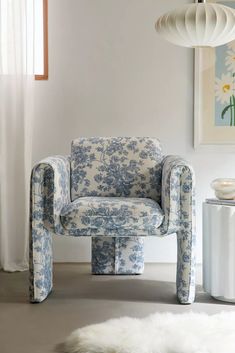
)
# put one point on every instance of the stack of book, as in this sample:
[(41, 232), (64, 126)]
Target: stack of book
[(221, 202)]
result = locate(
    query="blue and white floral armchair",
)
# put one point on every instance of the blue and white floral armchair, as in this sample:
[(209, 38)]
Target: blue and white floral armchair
[(117, 190)]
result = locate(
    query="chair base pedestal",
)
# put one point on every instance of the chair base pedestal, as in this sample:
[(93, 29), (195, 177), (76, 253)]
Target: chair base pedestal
[(117, 255)]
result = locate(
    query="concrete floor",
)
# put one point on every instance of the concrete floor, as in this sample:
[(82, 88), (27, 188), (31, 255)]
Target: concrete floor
[(80, 299)]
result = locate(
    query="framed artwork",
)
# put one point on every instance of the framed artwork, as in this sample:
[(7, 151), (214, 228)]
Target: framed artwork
[(214, 94)]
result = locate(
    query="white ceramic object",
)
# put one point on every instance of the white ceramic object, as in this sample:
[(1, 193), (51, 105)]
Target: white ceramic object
[(219, 251), (198, 25), (224, 188)]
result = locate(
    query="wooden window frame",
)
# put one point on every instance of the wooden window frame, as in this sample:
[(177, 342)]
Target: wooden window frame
[(44, 76)]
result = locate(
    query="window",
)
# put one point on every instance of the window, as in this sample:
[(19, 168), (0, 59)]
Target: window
[(41, 40), (24, 38)]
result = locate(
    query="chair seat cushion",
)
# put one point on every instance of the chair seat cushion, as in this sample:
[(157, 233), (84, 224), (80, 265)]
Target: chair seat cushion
[(112, 215)]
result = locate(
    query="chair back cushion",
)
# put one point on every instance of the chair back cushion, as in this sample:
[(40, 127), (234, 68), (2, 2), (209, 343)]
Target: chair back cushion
[(116, 167)]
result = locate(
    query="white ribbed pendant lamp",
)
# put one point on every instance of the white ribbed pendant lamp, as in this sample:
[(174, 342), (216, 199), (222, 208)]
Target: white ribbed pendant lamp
[(198, 25)]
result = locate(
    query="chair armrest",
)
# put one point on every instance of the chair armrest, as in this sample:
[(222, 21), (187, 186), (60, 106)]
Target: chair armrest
[(50, 191), (178, 193)]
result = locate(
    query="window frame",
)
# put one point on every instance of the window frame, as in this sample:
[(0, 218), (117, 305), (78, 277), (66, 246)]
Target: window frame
[(44, 76)]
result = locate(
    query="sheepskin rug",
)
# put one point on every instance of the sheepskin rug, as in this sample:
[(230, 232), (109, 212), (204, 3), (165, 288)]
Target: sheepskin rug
[(158, 333)]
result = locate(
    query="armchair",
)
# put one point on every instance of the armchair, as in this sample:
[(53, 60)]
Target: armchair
[(117, 190)]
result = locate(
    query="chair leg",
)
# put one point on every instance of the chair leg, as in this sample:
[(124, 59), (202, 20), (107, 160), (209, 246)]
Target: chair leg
[(113, 255), (41, 274), (185, 278)]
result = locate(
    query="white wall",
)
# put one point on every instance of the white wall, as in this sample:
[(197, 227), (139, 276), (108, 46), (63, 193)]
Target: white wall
[(111, 74)]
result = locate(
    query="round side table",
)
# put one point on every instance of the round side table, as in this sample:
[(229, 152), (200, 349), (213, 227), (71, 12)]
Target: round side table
[(219, 251)]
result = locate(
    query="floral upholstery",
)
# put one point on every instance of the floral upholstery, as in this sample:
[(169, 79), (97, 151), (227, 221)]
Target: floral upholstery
[(178, 205), (154, 195), (50, 191), (121, 216), (117, 255), (116, 166)]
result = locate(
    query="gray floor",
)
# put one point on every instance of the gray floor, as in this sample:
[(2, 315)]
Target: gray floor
[(79, 299)]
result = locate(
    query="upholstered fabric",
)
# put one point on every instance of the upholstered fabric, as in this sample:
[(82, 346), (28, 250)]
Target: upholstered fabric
[(117, 255), (116, 166), (178, 204), (50, 191), (51, 205), (111, 215)]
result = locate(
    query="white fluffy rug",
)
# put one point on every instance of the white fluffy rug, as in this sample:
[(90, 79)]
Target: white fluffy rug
[(158, 333)]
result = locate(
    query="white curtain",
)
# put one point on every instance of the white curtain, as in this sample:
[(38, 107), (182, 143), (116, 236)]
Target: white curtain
[(16, 119)]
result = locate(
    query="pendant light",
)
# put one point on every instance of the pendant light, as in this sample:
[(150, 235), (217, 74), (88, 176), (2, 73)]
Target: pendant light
[(199, 24)]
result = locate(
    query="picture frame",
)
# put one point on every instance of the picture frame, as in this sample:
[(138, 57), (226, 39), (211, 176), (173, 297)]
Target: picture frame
[(213, 125)]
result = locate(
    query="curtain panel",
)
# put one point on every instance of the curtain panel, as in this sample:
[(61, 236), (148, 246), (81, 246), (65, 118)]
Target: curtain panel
[(16, 124)]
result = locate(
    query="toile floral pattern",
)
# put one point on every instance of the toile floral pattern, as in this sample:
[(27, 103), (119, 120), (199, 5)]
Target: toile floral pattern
[(107, 216), (117, 255), (50, 191), (117, 166), (117, 190)]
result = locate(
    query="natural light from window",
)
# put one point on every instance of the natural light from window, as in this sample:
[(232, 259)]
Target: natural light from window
[(31, 48), (39, 42)]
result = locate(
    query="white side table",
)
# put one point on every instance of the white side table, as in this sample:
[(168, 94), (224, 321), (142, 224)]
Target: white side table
[(219, 251)]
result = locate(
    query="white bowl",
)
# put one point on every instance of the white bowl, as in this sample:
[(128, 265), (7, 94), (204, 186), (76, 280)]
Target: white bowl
[(224, 188)]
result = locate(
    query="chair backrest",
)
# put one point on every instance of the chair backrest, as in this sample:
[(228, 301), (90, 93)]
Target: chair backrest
[(116, 166)]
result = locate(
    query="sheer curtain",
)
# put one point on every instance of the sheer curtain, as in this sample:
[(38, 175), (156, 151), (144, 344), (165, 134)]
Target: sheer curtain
[(16, 118)]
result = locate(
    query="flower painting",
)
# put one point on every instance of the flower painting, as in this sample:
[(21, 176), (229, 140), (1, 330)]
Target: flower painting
[(214, 94), (225, 83)]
